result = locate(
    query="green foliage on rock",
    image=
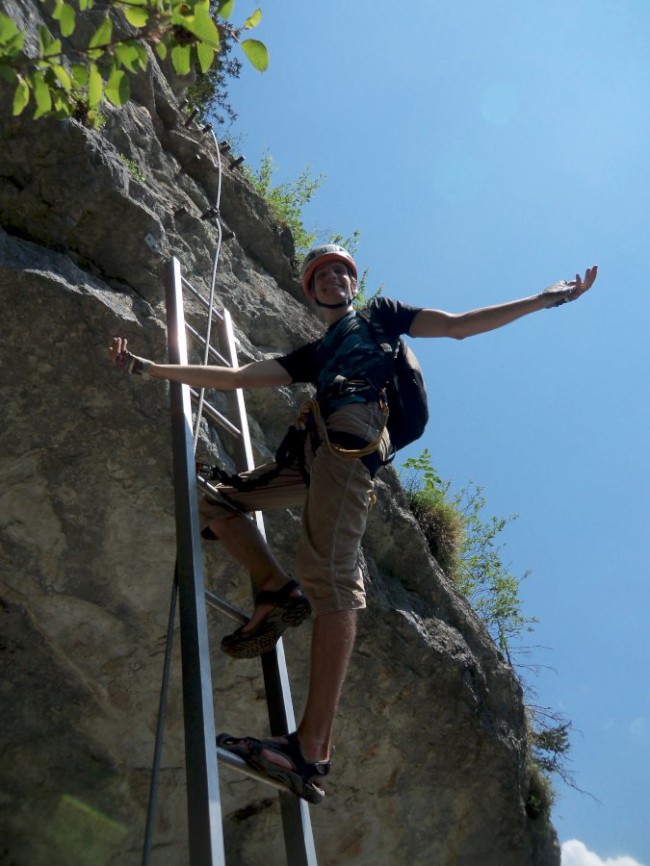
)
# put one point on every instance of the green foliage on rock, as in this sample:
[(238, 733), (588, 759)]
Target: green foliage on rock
[(439, 519), (62, 80), (541, 795), (465, 544), (133, 168), (287, 199)]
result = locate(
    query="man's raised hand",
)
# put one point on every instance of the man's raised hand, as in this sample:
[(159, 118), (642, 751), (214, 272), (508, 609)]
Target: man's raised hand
[(564, 291), (123, 360)]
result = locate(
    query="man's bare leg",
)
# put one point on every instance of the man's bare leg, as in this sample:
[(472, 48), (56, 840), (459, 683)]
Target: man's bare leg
[(332, 640), (332, 644), (243, 540)]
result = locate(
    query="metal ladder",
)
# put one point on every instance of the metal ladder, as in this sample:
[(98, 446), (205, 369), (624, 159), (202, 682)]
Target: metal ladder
[(205, 822)]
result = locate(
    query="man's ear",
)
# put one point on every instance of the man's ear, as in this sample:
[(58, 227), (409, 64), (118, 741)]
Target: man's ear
[(354, 287)]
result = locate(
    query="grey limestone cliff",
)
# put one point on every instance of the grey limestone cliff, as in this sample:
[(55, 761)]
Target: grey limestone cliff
[(431, 761)]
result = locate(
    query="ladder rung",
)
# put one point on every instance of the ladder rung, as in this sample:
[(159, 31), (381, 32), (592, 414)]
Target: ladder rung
[(225, 607), (211, 350), (216, 415), (240, 765), (200, 297), (206, 487)]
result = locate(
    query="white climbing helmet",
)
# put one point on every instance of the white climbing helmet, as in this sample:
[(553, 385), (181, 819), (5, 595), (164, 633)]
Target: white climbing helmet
[(320, 255)]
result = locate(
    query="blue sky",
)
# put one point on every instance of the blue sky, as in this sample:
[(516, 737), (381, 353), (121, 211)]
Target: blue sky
[(486, 150)]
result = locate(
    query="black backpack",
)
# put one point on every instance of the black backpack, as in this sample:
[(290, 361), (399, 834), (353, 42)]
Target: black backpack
[(405, 389)]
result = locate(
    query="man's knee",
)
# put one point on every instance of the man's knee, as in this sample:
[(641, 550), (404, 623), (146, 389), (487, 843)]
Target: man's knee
[(230, 523)]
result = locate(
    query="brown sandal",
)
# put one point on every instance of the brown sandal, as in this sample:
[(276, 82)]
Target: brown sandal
[(303, 778), (288, 611)]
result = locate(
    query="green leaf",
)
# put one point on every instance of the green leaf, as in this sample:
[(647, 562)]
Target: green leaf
[(254, 20), (79, 73), (48, 46), (161, 50), (127, 55), (137, 17), (8, 29), (102, 35), (13, 48), (62, 105), (42, 96), (21, 97), (95, 86), (201, 25), (205, 55), (257, 53), (8, 73), (118, 88), (143, 56), (96, 118), (225, 9), (181, 59), (67, 19), (62, 76)]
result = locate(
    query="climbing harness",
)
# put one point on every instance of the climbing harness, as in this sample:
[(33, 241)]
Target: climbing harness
[(329, 439), (308, 424)]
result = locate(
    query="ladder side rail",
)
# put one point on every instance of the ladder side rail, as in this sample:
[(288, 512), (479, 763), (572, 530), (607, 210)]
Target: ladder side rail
[(228, 346), (296, 822), (203, 795)]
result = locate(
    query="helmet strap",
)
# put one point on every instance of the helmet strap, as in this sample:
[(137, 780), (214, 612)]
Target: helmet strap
[(338, 306)]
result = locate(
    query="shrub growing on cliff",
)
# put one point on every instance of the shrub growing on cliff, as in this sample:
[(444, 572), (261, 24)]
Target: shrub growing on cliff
[(65, 80), (465, 545), (541, 795), (439, 519), (287, 199)]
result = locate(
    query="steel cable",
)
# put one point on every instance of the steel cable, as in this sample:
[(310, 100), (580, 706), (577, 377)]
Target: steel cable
[(206, 357)]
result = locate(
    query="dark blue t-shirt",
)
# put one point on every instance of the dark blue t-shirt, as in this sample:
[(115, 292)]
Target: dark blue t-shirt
[(350, 350)]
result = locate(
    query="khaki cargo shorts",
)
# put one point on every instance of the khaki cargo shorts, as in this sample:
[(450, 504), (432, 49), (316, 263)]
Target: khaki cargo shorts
[(336, 504)]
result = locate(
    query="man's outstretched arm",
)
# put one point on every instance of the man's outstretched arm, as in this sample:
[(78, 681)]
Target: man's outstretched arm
[(438, 323), (259, 374)]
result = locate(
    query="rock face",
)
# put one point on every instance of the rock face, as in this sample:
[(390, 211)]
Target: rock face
[(431, 763)]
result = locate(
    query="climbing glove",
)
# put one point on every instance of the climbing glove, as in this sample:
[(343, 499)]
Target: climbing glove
[(129, 363), (558, 294)]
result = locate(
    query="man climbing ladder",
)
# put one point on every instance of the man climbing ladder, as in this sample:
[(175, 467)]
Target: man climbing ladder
[(345, 439)]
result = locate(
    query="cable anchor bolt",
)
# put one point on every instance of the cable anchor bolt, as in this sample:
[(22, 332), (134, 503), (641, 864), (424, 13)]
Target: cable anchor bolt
[(193, 113)]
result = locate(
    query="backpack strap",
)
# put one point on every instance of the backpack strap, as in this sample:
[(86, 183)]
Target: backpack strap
[(390, 350)]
